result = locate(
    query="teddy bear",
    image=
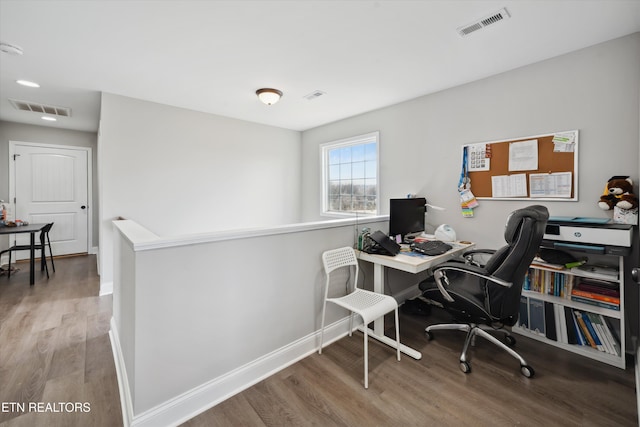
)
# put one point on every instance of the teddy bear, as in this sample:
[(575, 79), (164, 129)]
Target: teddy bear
[(618, 192)]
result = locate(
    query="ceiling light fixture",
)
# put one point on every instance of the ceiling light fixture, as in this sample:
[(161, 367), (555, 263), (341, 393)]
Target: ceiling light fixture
[(49, 119), (269, 96), (27, 83)]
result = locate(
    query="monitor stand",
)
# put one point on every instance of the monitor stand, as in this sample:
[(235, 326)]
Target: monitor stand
[(409, 238)]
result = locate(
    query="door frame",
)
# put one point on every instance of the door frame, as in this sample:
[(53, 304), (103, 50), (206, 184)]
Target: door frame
[(89, 152)]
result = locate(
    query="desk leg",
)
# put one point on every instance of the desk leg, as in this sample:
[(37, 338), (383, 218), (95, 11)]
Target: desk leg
[(32, 252), (378, 325)]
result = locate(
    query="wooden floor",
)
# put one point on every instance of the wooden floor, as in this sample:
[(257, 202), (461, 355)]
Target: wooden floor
[(54, 348)]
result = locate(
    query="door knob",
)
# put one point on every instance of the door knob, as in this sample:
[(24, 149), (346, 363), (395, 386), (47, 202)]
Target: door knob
[(635, 274), (83, 207)]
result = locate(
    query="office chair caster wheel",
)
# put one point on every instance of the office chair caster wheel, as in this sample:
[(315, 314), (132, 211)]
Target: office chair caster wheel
[(465, 367), (429, 335), (510, 340), (527, 371)]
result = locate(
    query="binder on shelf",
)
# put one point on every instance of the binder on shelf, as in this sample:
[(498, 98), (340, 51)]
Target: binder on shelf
[(570, 326), (550, 321), (523, 317), (536, 316)]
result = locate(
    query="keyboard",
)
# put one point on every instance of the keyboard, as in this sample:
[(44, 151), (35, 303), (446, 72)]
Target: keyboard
[(431, 247)]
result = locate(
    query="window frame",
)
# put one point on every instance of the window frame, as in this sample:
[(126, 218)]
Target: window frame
[(325, 148)]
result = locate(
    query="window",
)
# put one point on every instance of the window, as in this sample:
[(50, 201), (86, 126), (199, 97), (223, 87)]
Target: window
[(350, 175)]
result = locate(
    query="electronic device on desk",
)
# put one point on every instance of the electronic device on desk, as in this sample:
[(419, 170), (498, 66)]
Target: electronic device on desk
[(406, 218), (380, 244), (431, 247)]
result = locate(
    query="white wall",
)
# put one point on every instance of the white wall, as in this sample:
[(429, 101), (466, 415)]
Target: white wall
[(228, 311), (10, 131), (179, 171), (594, 90)]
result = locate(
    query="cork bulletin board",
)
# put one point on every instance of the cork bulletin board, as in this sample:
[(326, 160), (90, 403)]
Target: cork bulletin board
[(540, 167)]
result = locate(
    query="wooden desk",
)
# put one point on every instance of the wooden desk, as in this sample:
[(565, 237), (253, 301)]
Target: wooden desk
[(32, 229), (414, 263)]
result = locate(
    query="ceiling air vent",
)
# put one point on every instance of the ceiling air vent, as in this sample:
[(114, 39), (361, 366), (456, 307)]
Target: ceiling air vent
[(500, 15), (36, 107), (313, 95)]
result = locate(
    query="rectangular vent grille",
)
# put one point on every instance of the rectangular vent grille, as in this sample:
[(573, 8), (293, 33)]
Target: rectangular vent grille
[(36, 107), (313, 95), (500, 15)]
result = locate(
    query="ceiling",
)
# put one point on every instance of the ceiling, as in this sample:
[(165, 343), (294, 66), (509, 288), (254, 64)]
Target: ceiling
[(211, 56)]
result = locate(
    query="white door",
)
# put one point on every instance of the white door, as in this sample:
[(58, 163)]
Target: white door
[(51, 185)]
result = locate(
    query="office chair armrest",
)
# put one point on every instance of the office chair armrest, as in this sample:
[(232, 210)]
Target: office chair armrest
[(479, 251), (440, 277), (469, 256)]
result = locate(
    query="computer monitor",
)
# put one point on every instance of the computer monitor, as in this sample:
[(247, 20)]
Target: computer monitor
[(406, 216)]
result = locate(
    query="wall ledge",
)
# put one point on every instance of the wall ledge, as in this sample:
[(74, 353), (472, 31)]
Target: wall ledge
[(141, 239)]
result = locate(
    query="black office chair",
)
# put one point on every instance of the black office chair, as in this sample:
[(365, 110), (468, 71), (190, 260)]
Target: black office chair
[(44, 242), (487, 298)]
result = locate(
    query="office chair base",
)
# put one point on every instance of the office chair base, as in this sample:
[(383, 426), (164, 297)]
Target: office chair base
[(472, 331)]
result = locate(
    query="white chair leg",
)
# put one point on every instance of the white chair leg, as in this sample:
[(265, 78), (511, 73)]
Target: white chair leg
[(397, 334), (366, 358), (324, 307), (351, 323)]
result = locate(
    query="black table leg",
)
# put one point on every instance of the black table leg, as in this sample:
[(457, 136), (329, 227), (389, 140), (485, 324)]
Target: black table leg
[(32, 274)]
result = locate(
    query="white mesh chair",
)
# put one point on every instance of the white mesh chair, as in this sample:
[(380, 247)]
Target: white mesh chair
[(369, 305)]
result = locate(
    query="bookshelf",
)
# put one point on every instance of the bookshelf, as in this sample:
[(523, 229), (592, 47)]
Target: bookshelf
[(550, 308)]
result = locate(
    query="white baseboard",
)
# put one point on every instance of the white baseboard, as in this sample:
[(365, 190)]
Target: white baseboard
[(106, 288), (121, 372), (197, 400)]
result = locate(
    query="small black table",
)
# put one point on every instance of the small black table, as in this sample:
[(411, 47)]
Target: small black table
[(32, 229)]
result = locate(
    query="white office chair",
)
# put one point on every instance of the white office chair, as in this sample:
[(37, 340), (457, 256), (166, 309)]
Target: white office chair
[(369, 305)]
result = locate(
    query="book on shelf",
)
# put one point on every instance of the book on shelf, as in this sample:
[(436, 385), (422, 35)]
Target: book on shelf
[(578, 330), (539, 262), (595, 296), (597, 339), (603, 333), (596, 303), (566, 325), (599, 287), (549, 282), (597, 271), (585, 330)]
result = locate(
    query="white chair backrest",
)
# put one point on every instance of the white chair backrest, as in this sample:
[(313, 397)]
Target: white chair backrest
[(337, 258)]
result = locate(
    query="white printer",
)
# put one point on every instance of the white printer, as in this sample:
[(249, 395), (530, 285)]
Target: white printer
[(590, 235)]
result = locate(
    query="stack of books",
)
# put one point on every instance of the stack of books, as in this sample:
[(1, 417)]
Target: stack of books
[(594, 330), (596, 292), (603, 272), (569, 326), (549, 282)]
